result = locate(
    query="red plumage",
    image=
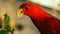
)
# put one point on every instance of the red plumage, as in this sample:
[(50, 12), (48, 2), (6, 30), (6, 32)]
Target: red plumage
[(45, 22)]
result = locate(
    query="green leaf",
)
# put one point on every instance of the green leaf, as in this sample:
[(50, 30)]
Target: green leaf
[(12, 31), (6, 19), (3, 32), (7, 27)]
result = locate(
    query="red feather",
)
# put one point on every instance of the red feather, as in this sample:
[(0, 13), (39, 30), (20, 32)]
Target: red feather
[(45, 22)]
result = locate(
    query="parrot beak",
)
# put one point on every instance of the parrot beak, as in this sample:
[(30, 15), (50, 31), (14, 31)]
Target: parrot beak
[(20, 13)]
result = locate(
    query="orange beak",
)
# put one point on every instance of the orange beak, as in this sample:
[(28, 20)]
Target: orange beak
[(20, 12)]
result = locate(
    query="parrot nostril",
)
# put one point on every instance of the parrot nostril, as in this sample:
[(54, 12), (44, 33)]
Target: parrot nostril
[(19, 27)]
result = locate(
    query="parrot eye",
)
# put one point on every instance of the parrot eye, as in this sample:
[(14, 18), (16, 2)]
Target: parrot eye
[(26, 8)]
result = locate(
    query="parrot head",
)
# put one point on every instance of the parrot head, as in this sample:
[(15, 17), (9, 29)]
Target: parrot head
[(24, 9), (28, 9)]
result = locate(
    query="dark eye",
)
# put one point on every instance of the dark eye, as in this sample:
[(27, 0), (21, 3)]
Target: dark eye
[(26, 8)]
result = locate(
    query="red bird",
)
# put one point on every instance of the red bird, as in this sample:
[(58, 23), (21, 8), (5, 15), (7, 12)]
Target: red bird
[(45, 22)]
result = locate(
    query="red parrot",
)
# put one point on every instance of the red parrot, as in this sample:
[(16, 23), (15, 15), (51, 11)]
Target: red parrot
[(45, 22)]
